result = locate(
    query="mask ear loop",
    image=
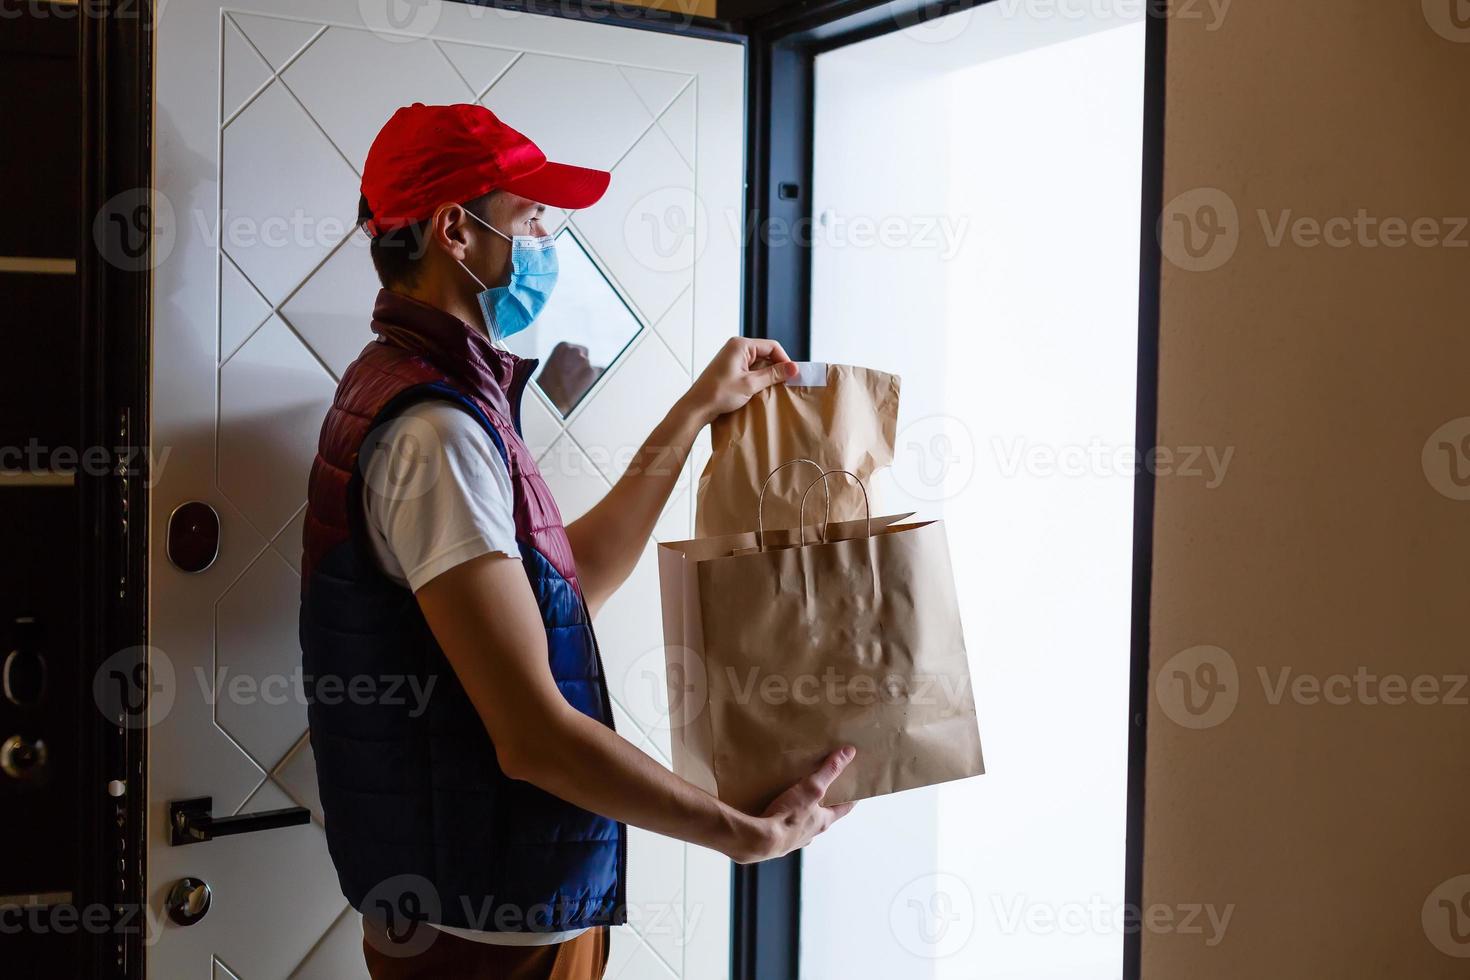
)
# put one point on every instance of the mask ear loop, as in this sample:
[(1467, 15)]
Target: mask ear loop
[(478, 281), (466, 268), (489, 327), (489, 225)]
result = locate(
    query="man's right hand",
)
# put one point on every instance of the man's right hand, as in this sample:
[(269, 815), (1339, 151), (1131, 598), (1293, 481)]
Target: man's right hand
[(797, 816), (486, 620)]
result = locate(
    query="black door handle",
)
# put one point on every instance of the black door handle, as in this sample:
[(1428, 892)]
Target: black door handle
[(191, 822)]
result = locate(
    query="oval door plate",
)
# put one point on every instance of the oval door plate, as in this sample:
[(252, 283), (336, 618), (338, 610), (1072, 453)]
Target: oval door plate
[(193, 536)]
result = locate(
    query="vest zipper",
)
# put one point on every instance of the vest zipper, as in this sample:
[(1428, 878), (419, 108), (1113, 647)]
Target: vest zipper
[(620, 896), (520, 375), (515, 391)]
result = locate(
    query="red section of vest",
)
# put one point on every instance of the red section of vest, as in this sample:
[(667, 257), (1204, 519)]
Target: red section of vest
[(419, 345)]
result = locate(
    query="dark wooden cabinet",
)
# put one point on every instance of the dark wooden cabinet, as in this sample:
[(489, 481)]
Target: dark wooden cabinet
[(42, 695)]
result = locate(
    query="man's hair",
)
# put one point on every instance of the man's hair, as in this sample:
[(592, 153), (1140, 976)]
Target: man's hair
[(397, 254)]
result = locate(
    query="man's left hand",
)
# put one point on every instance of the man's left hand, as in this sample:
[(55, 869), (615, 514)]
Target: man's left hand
[(744, 366)]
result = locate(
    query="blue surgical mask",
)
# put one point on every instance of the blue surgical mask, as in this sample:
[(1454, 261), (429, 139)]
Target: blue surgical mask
[(512, 308)]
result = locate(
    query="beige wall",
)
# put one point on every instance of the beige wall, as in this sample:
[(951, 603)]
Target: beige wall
[(698, 8), (1326, 547)]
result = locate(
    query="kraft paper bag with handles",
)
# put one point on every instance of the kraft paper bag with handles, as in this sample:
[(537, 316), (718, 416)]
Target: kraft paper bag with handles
[(785, 644), (841, 416)]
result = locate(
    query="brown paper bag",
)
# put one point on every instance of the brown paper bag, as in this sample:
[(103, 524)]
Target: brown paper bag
[(843, 417), (779, 655)]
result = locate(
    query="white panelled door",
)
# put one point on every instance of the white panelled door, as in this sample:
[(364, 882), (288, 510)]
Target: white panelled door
[(262, 295)]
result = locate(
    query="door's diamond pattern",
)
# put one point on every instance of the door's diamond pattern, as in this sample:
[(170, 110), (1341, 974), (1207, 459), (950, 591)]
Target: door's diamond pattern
[(678, 124), (276, 38), (598, 114), (582, 332), (630, 402), (644, 228), (339, 954), (655, 88), (575, 481), (633, 959), (296, 775), (335, 330), (656, 867), (341, 81), (554, 220), (288, 542), (313, 98), (625, 725), (233, 773), (676, 327), (674, 523), (272, 397), (659, 744), (241, 308), (242, 72), (256, 698), (630, 636), (278, 230), (478, 66), (299, 908), (540, 424)]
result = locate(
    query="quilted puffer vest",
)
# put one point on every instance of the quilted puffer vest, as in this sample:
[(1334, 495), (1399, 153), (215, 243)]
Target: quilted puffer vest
[(419, 817)]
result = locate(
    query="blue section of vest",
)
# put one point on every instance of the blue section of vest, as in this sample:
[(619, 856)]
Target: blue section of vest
[(420, 820)]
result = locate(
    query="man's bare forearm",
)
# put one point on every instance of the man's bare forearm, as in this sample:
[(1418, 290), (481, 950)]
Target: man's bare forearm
[(609, 539), (485, 617), (589, 765)]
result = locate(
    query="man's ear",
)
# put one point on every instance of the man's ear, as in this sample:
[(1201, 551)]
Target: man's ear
[(449, 230)]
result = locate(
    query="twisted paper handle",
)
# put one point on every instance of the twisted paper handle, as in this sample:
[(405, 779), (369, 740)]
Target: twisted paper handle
[(867, 507), (760, 503)]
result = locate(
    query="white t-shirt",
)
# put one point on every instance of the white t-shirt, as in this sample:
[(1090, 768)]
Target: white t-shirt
[(436, 493)]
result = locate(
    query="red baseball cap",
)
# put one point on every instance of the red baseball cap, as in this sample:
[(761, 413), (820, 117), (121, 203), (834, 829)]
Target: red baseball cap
[(428, 155)]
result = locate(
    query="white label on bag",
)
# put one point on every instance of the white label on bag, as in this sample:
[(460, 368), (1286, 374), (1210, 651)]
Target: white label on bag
[(809, 374)]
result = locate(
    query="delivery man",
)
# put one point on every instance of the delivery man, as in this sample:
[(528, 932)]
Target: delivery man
[(474, 792)]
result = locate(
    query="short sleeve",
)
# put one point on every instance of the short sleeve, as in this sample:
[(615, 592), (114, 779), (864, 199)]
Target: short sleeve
[(436, 494)]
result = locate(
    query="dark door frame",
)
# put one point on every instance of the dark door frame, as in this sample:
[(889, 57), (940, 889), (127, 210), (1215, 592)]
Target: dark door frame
[(116, 46)]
